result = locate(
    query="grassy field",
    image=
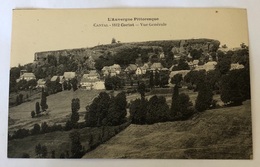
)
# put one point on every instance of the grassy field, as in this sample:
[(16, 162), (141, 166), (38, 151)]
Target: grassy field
[(59, 109), (224, 133), (59, 141)]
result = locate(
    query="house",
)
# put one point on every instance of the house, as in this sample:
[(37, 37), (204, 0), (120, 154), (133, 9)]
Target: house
[(27, 76), (61, 79), (139, 71), (207, 66), (156, 66), (69, 75), (113, 72), (210, 65), (182, 72), (236, 66), (115, 69), (92, 75), (106, 70), (99, 85), (90, 84), (86, 83), (131, 68), (41, 83), (195, 63), (165, 69), (55, 79), (162, 56)]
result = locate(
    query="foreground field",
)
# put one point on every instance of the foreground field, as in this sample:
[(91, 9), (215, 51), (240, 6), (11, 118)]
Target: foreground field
[(224, 133), (60, 142), (59, 109)]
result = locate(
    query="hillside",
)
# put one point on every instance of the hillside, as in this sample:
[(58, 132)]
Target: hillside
[(82, 54), (59, 109), (213, 134)]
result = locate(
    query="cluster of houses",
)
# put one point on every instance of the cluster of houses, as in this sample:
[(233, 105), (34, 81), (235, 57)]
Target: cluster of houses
[(93, 80)]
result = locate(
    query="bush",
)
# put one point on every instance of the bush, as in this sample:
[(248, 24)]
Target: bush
[(32, 114), (36, 129), (21, 133)]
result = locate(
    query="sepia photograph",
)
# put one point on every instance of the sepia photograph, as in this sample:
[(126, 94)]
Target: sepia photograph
[(169, 83)]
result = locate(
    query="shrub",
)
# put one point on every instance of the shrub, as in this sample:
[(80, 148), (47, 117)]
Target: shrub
[(32, 114)]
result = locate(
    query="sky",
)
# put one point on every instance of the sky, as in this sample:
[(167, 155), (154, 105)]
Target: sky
[(44, 30)]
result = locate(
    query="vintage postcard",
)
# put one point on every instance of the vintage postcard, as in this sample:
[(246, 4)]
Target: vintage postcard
[(130, 83)]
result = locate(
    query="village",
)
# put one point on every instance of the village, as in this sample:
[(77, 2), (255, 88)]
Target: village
[(131, 75), (102, 94)]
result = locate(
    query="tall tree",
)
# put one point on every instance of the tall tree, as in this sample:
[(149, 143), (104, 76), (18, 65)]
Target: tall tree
[(76, 147), (37, 108), (44, 105), (117, 109), (75, 106), (204, 98), (175, 101), (141, 90), (157, 110), (138, 110), (98, 109)]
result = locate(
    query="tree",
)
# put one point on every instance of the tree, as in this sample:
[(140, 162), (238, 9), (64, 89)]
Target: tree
[(180, 107), (76, 147), (182, 65), (235, 86), (37, 108), (117, 110), (98, 109), (74, 83), (113, 83), (41, 151), (204, 98), (195, 78), (157, 110), (224, 65), (32, 83), (141, 90), (138, 110), (32, 114), (185, 107), (176, 79), (113, 40), (36, 129), (175, 101), (19, 99), (44, 151), (44, 127), (75, 106), (65, 85), (44, 105), (164, 79)]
